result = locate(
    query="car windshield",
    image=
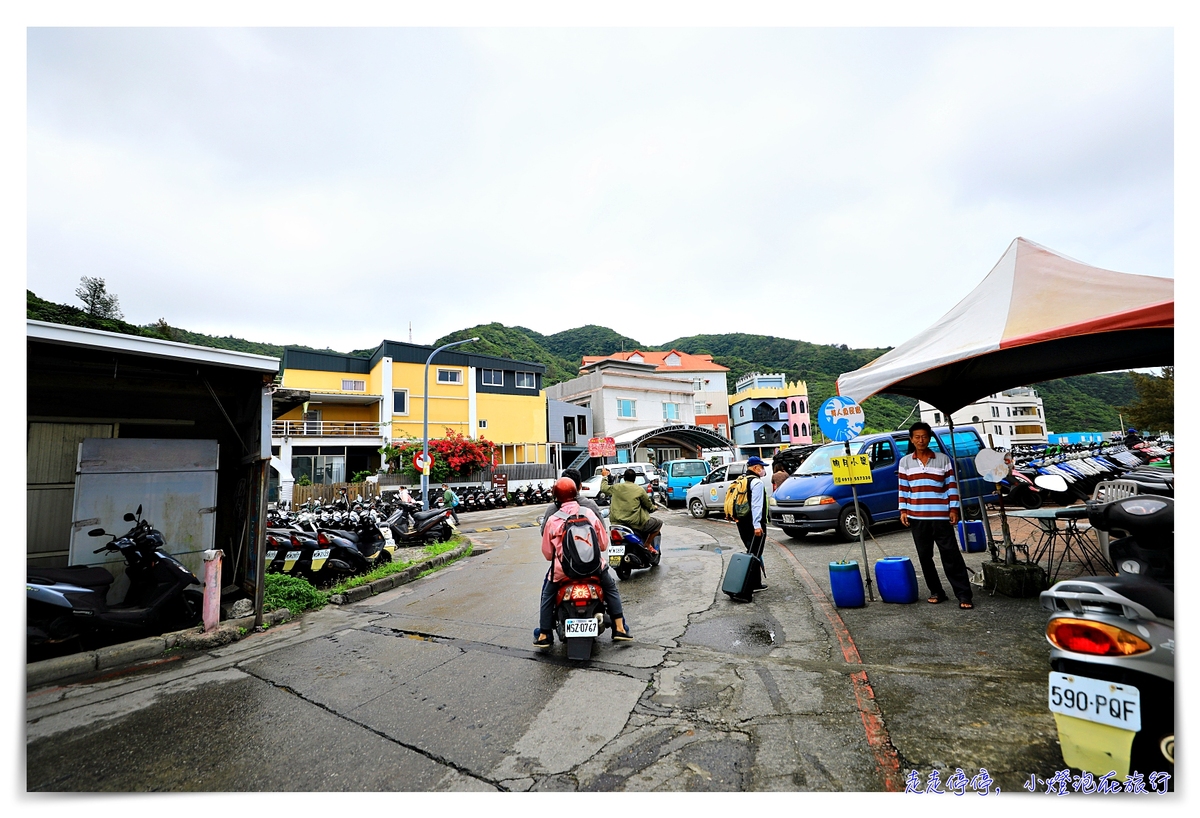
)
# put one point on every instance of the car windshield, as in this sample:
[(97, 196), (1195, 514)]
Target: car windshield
[(818, 461)]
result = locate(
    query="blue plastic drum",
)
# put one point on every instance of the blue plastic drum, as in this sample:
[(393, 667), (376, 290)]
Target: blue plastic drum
[(897, 580), (846, 580)]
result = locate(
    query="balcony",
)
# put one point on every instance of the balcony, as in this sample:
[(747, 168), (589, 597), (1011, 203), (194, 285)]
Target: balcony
[(325, 428)]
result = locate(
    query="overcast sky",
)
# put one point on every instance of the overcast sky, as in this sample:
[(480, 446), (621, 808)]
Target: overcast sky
[(328, 186)]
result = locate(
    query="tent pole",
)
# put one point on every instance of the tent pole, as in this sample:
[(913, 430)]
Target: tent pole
[(861, 542)]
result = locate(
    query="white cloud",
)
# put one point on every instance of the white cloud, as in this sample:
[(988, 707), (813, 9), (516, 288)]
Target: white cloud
[(327, 186)]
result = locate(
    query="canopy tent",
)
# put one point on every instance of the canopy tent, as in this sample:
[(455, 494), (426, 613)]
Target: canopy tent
[(1038, 315)]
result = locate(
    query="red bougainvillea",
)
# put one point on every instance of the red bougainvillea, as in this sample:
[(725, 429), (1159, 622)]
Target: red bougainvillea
[(455, 456)]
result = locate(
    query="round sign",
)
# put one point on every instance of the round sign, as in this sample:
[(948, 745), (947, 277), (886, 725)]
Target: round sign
[(993, 466), (422, 462), (841, 418)]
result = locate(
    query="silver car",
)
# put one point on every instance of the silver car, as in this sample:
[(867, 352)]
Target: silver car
[(709, 494)]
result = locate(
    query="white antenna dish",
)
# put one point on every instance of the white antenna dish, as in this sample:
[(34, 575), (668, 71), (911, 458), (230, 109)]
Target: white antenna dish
[(993, 466)]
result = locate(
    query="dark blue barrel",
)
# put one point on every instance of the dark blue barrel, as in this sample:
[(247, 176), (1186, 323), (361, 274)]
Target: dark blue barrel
[(897, 579), (847, 584)]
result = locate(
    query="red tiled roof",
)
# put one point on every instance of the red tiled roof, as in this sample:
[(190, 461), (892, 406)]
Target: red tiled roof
[(687, 361)]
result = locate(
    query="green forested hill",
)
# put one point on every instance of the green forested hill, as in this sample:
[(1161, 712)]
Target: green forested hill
[(1085, 403)]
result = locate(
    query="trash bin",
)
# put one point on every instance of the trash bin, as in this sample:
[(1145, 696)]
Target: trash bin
[(846, 580), (897, 580)]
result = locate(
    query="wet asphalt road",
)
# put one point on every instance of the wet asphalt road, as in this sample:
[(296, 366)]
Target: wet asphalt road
[(435, 686)]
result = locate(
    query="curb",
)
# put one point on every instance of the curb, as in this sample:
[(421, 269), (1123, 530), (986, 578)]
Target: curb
[(391, 581), (63, 667)]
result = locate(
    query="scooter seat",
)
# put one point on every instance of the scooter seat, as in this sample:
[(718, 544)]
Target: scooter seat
[(82, 575), (422, 516), (345, 535), (1147, 592)]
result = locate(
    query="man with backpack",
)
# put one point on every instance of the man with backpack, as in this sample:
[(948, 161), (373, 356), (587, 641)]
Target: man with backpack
[(572, 533), (747, 504), (451, 501)]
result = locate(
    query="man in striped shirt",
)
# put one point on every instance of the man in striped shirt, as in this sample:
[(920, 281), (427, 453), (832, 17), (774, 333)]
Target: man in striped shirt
[(929, 506)]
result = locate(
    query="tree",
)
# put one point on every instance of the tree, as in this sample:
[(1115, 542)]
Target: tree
[(164, 329), (1154, 409), (455, 456), (93, 292)]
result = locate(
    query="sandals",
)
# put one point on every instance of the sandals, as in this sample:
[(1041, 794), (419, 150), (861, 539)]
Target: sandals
[(966, 606), (542, 640), (622, 636), (934, 600)]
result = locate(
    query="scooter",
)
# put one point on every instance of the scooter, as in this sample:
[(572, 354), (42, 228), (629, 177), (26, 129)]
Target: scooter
[(1112, 688), (626, 551), (581, 616), (68, 605), (410, 525)]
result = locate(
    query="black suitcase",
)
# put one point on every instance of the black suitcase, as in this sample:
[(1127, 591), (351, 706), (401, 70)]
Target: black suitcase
[(742, 577)]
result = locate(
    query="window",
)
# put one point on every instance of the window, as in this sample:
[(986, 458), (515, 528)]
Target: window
[(1007, 412), (700, 408), (741, 411), (493, 377), (1029, 430), (581, 424), (697, 384), (569, 431), (937, 417), (626, 408), (483, 424), (793, 407), (803, 409), (804, 429), (321, 469), (673, 360), (795, 430), (783, 408), (400, 402), (670, 411), (353, 386), (717, 475), (882, 454), (526, 380), (1010, 431), (449, 376), (692, 468)]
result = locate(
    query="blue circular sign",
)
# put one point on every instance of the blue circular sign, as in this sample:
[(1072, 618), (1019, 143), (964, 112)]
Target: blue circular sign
[(841, 418)]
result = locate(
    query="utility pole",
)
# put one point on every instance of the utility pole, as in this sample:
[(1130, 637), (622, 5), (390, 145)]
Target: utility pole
[(425, 450)]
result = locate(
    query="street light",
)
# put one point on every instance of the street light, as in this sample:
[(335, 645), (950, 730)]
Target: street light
[(425, 451)]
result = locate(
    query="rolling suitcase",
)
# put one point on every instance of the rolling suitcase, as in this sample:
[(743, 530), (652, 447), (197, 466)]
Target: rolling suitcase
[(742, 577)]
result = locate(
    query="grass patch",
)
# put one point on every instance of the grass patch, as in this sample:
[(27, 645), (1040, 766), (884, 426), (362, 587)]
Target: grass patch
[(294, 593), (437, 568), (390, 568)]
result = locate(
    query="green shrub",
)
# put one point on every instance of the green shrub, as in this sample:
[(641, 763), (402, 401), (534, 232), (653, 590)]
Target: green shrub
[(294, 593)]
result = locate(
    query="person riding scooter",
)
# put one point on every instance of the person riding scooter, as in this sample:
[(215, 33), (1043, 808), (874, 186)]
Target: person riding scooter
[(583, 501), (565, 499), (631, 506)]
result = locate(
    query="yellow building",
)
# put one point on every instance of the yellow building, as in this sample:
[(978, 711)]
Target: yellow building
[(357, 404)]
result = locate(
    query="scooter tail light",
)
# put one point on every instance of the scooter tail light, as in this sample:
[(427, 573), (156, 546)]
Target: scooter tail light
[(617, 536), (322, 539), (1094, 638)]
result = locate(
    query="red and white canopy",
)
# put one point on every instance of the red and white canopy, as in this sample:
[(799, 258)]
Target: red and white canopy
[(1038, 315)]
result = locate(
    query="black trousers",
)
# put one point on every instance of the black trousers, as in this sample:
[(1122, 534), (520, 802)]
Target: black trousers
[(926, 534)]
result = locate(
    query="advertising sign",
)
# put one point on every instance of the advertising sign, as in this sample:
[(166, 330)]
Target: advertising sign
[(841, 418), (853, 470), (602, 447)]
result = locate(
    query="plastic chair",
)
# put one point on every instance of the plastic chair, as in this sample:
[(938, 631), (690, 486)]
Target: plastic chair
[(1106, 492)]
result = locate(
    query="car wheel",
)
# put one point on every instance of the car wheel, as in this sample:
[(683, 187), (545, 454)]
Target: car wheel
[(848, 523), (697, 509), (795, 533)]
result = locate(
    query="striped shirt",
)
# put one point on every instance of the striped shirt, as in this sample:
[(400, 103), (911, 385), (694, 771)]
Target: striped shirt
[(928, 490)]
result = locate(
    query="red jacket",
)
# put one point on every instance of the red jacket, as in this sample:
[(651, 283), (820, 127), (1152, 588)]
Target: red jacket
[(552, 537)]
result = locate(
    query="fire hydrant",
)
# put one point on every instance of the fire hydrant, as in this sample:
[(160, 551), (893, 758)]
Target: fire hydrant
[(212, 589)]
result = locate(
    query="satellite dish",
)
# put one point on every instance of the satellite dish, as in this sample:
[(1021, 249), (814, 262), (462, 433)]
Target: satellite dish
[(993, 466)]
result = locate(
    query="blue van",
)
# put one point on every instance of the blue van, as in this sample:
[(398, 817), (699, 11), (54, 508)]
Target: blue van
[(681, 475), (808, 501)]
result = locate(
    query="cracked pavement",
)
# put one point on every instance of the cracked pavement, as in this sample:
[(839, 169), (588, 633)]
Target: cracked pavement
[(435, 686)]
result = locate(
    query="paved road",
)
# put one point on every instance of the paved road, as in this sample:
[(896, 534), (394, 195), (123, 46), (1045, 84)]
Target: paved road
[(435, 686)]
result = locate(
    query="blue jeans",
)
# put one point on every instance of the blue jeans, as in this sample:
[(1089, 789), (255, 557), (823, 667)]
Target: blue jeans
[(612, 599)]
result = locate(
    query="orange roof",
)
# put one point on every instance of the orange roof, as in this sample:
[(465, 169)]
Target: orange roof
[(687, 361)]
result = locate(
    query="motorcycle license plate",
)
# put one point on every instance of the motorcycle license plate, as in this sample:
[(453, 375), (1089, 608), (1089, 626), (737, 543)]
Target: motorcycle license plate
[(615, 553), (581, 627), (387, 535), (789, 518), (1094, 700)]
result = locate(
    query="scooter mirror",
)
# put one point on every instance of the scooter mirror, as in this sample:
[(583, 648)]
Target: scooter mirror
[(129, 518), (1050, 482), (139, 511), (96, 532)]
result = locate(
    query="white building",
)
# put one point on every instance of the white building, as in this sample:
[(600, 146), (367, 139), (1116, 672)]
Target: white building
[(650, 413), (1014, 417)]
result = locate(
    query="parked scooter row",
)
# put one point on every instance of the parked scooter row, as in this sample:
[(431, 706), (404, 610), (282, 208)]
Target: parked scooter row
[(67, 608), (1081, 467)]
